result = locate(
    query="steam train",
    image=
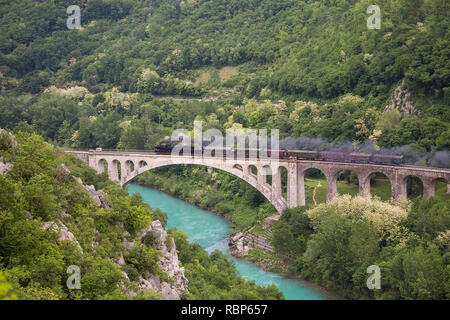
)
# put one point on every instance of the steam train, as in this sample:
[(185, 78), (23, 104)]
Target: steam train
[(166, 146)]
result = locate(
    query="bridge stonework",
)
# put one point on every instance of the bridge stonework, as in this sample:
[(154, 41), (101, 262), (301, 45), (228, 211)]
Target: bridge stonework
[(133, 164)]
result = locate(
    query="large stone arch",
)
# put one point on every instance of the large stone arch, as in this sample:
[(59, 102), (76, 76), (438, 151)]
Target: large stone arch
[(330, 173), (423, 183), (401, 184), (300, 181), (364, 180), (435, 181), (101, 165), (279, 203)]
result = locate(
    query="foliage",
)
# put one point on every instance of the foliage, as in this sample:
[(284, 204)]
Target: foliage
[(429, 218), (6, 288), (352, 234), (213, 276), (36, 193), (384, 217), (291, 232), (414, 272)]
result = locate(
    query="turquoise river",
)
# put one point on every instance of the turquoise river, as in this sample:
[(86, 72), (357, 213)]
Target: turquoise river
[(211, 232)]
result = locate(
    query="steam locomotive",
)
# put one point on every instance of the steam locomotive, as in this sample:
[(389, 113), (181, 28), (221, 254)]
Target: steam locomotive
[(166, 146)]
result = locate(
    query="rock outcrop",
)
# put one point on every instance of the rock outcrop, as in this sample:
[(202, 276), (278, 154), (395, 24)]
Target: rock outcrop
[(61, 229), (401, 100), (99, 197), (12, 138), (240, 247), (4, 166), (169, 280), (168, 263)]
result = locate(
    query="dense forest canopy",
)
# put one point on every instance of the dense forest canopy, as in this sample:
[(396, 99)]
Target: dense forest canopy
[(320, 48), (308, 68)]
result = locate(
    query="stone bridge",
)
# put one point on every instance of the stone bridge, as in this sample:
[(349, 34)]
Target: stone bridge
[(133, 164)]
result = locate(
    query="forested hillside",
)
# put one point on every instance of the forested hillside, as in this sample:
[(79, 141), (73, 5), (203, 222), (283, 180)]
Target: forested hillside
[(138, 69), (308, 68)]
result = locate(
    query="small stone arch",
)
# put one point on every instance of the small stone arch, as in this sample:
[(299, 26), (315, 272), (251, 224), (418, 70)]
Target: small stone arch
[(378, 184), (238, 167), (129, 167), (252, 170), (102, 166), (315, 181), (414, 186), (367, 179), (142, 163), (114, 170)]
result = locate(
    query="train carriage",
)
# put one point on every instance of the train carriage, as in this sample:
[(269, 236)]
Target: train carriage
[(273, 153), (360, 157)]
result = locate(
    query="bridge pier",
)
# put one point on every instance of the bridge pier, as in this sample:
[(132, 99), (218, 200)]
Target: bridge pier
[(100, 167), (276, 183), (301, 193), (113, 170), (126, 170), (296, 186), (92, 160), (261, 176), (399, 188), (429, 187), (364, 185), (331, 186), (127, 166)]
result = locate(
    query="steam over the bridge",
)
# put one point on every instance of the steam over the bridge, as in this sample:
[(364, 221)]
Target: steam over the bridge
[(413, 155)]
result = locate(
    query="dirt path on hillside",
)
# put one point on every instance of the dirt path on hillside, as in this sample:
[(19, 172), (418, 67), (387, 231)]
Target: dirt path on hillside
[(315, 189)]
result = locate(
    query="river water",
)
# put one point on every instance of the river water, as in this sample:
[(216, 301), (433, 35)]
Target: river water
[(211, 232)]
